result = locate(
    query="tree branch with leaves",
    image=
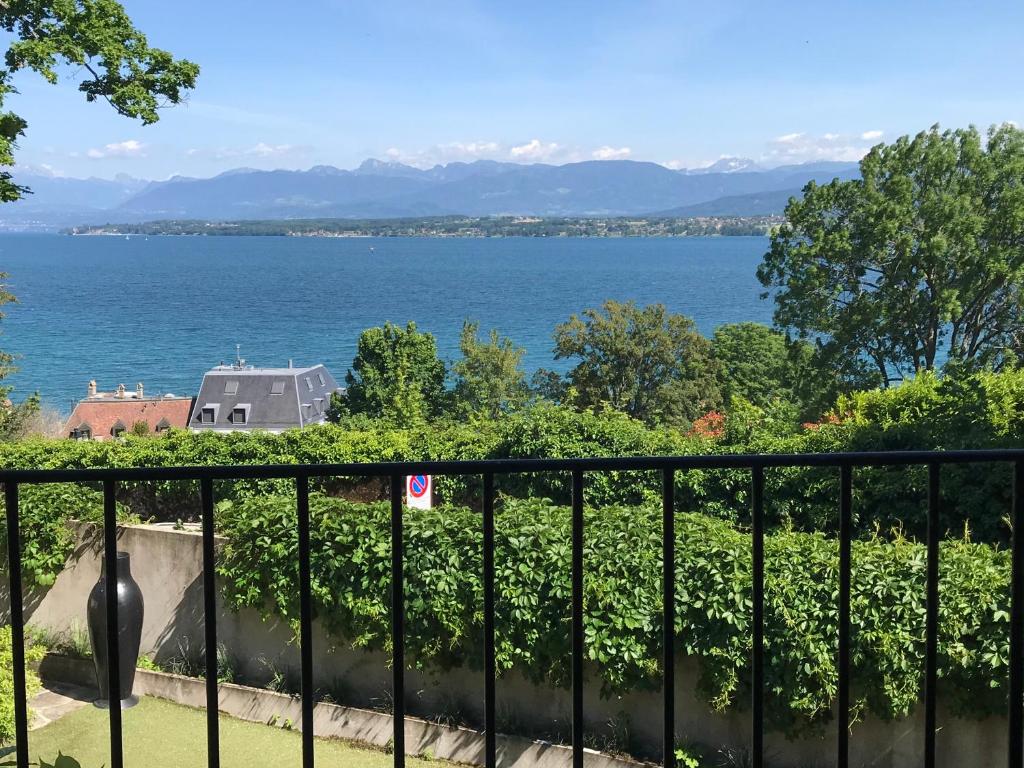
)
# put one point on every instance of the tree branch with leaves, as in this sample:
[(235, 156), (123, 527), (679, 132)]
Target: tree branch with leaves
[(95, 37)]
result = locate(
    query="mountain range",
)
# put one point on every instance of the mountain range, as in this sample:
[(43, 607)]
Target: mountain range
[(377, 189)]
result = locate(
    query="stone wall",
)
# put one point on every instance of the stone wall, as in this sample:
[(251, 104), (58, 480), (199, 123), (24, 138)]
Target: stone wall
[(167, 564)]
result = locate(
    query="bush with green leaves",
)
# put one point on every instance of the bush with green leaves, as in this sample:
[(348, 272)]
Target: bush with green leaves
[(45, 513), (977, 411), (350, 557), (33, 655)]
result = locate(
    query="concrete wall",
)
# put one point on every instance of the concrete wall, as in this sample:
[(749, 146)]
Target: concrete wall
[(167, 564)]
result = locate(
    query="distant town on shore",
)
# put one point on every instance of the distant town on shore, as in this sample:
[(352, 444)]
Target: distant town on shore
[(454, 226)]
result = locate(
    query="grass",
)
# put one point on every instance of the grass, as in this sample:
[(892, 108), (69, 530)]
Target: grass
[(158, 733)]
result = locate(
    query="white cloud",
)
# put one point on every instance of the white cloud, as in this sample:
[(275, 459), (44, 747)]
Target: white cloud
[(804, 147), (452, 151), (535, 150), (611, 153), (532, 151), (260, 149), (127, 148)]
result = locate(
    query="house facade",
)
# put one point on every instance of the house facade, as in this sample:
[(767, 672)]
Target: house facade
[(239, 397), (108, 415)]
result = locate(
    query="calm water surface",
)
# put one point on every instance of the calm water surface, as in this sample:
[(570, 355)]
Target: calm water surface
[(162, 310)]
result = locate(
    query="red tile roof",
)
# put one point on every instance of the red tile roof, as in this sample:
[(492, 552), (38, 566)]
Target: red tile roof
[(102, 415)]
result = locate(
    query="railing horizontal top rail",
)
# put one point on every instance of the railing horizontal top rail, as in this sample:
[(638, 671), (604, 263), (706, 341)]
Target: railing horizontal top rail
[(512, 466)]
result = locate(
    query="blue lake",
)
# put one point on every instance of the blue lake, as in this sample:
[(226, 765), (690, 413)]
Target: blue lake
[(162, 310)]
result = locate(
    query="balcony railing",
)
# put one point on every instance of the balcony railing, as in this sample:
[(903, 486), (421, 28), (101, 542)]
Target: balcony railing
[(668, 466)]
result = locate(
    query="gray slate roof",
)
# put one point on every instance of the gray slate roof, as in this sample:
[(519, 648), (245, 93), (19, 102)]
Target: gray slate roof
[(243, 398)]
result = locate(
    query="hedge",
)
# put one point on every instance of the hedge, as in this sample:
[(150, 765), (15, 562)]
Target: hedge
[(981, 411), (444, 623), (45, 536)]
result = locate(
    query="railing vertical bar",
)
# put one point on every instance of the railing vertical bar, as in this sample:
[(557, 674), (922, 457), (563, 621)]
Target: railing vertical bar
[(210, 622), (113, 635), (17, 626), (932, 616), (397, 622), (577, 619), (668, 571), (305, 619), (845, 535), (490, 668), (1016, 713), (757, 665)]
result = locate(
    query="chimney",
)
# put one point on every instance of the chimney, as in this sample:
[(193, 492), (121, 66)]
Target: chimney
[(120, 392), (290, 363), (91, 391), (138, 390)]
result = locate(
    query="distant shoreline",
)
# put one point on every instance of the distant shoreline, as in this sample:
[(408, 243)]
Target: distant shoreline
[(447, 227)]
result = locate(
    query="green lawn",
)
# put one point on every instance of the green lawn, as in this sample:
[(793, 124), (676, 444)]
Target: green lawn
[(158, 734)]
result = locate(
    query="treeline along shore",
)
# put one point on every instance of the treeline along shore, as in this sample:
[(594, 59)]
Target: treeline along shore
[(452, 226)]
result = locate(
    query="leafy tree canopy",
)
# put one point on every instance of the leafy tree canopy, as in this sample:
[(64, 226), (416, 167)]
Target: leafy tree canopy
[(12, 416), (919, 261), (488, 379), (753, 363), (644, 361), (95, 37), (396, 375)]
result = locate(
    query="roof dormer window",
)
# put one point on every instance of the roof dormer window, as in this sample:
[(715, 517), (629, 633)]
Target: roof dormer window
[(118, 429), (208, 414), (240, 414)]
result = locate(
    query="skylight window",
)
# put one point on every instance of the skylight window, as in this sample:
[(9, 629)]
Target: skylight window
[(320, 378), (309, 384), (277, 388), (231, 388)]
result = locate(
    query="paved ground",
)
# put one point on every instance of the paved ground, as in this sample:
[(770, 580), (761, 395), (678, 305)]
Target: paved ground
[(57, 700)]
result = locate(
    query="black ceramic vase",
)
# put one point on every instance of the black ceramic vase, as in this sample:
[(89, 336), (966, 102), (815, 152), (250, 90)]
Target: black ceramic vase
[(129, 631)]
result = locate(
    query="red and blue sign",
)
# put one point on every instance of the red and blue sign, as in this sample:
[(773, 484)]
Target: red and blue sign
[(418, 485)]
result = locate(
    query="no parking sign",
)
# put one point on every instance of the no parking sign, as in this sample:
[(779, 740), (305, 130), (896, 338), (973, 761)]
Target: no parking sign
[(418, 491)]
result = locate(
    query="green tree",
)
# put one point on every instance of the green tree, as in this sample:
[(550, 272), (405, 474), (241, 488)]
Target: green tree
[(396, 376), (12, 416), (753, 363), (488, 379), (646, 362), (96, 38), (919, 260)]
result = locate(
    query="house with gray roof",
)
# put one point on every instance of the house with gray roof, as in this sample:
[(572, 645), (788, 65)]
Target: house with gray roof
[(241, 397)]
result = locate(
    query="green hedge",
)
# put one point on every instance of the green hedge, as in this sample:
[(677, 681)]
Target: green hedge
[(444, 624), (45, 536), (984, 410)]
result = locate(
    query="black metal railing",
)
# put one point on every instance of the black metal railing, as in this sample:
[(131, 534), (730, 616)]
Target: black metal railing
[(578, 468)]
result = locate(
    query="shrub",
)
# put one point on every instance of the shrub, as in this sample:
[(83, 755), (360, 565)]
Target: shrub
[(46, 538), (33, 654), (982, 410), (351, 592)]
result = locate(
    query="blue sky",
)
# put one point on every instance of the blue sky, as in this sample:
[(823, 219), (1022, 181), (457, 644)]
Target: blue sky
[(678, 83)]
